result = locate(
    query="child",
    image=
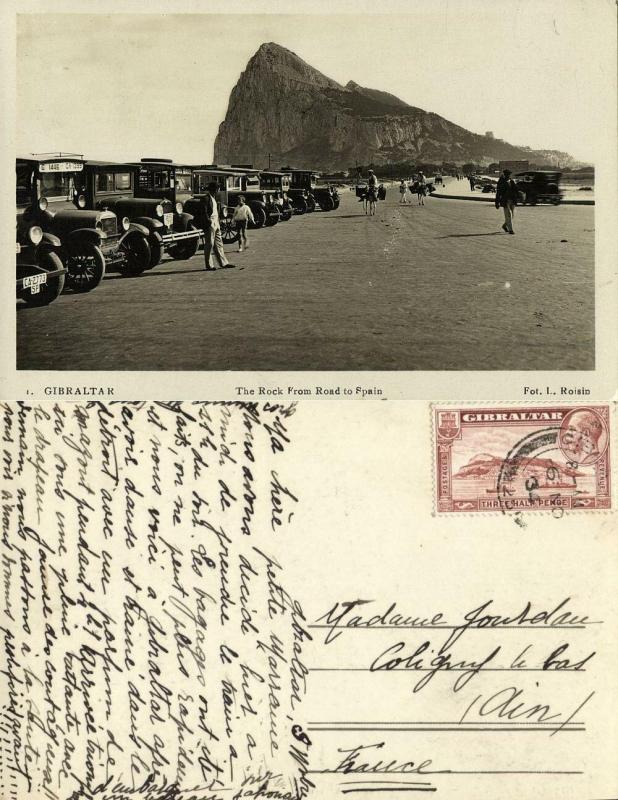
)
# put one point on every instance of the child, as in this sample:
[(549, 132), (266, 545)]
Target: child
[(242, 215), (402, 192)]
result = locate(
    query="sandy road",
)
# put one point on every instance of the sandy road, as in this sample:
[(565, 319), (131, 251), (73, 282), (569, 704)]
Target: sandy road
[(438, 287)]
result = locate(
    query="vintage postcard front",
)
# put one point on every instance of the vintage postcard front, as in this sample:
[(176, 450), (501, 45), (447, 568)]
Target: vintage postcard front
[(194, 608)]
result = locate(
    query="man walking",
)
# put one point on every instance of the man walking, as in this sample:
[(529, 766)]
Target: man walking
[(213, 242), (506, 197)]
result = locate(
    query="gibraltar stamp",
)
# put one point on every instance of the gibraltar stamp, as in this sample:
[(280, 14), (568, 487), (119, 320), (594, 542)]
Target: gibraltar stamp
[(515, 459)]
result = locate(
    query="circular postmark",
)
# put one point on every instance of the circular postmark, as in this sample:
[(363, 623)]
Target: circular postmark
[(583, 436), (538, 473)]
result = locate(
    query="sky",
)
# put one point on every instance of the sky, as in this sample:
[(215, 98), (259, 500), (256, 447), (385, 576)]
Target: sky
[(124, 86)]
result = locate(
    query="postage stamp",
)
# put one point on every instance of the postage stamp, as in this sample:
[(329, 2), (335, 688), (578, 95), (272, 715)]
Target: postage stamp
[(514, 459)]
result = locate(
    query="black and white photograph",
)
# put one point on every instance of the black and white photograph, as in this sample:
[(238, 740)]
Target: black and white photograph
[(289, 192)]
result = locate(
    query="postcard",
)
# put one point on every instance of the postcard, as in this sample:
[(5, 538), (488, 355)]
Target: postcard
[(308, 400), (194, 608)]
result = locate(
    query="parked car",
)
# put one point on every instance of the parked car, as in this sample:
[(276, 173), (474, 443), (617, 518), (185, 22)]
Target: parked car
[(303, 186), (279, 184), (169, 184), (51, 196), (539, 186), (263, 202), (229, 182), (39, 269)]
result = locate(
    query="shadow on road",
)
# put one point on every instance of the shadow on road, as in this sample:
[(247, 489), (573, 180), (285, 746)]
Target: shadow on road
[(347, 216), (465, 235), (152, 273)]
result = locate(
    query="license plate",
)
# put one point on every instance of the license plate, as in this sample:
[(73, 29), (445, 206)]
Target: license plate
[(168, 219), (18, 247), (34, 283)]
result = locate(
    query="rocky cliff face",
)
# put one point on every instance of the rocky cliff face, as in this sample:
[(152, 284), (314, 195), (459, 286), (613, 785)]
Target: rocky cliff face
[(284, 107)]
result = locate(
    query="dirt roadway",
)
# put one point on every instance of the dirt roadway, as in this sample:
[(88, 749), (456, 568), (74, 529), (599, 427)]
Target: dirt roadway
[(439, 287)]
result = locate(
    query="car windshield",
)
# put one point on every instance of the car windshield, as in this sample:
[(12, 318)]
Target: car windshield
[(162, 179), (58, 185), (183, 181)]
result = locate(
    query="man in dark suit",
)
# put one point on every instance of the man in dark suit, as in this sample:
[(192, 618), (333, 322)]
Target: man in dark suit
[(506, 197)]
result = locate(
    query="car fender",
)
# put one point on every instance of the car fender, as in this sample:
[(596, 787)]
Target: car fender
[(258, 203), (50, 241), (82, 236), (135, 230), (147, 223)]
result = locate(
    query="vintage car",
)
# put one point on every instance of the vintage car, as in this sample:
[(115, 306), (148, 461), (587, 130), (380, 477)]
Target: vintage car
[(114, 187), (303, 186), (538, 186), (52, 196), (169, 184), (262, 202), (229, 182), (40, 271), (279, 184)]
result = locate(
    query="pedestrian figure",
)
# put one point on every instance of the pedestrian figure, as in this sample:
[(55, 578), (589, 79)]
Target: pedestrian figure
[(372, 193), (213, 242), (403, 192), (471, 179), (242, 216), (421, 188), (506, 197)]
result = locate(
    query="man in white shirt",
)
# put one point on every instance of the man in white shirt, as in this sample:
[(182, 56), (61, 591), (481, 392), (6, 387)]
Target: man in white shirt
[(213, 242)]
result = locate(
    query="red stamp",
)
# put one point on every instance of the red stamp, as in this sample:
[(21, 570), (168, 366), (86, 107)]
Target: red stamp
[(522, 459)]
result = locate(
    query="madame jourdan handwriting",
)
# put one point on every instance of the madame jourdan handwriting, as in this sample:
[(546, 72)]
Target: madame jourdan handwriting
[(346, 615)]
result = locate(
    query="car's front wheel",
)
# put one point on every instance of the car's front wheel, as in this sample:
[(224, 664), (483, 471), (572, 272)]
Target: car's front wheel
[(274, 215), (259, 215), (136, 255), (186, 249), (300, 205), (53, 286), (85, 268), (229, 234)]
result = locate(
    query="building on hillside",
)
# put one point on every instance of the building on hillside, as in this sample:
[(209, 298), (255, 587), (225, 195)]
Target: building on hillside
[(514, 166)]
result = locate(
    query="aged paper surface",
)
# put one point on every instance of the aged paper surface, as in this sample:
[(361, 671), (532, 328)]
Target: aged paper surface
[(221, 585), (212, 600)]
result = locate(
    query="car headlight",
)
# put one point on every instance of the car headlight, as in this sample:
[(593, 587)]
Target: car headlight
[(43, 203), (224, 212), (35, 234), (159, 210), (179, 208), (81, 201), (125, 223)]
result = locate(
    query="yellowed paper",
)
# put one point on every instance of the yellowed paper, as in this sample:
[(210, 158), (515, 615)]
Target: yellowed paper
[(311, 583), (205, 600)]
